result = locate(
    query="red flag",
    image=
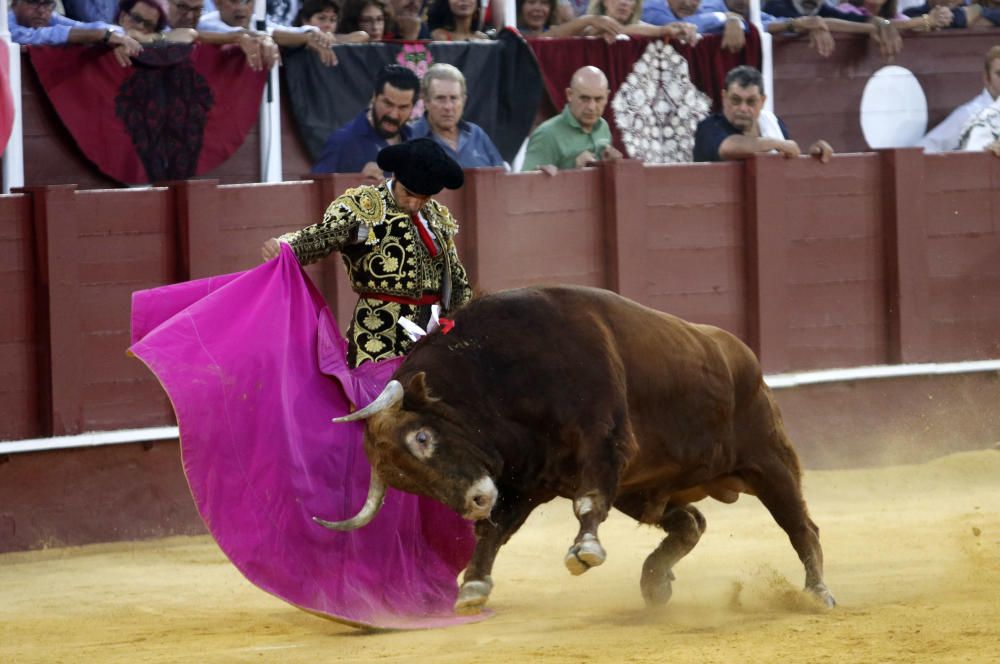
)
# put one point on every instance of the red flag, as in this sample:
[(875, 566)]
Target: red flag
[(6, 98), (179, 111)]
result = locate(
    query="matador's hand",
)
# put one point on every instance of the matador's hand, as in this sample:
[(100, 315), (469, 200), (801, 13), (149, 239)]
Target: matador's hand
[(270, 249)]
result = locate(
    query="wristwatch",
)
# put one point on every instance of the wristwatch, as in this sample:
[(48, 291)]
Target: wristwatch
[(107, 35)]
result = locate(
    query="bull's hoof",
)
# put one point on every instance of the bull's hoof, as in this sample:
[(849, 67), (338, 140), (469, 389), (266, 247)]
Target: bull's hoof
[(472, 597), (585, 554), (657, 587), (823, 593)]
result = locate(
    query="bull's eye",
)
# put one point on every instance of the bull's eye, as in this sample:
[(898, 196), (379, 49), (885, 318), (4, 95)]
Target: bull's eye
[(421, 443)]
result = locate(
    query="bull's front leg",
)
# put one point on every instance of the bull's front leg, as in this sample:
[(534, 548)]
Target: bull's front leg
[(591, 510), (492, 533), (600, 462)]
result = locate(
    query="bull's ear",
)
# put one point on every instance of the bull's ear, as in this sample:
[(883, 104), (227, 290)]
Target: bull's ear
[(417, 390)]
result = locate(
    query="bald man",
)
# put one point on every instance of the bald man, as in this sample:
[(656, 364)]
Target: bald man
[(578, 136)]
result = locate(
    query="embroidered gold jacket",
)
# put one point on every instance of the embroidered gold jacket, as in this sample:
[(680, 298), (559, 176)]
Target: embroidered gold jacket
[(390, 261)]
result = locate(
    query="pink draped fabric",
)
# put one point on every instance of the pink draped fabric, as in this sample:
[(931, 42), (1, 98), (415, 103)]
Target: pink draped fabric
[(255, 368), (6, 99)]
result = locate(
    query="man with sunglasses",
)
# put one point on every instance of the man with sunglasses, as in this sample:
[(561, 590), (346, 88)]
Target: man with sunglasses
[(33, 22), (398, 246)]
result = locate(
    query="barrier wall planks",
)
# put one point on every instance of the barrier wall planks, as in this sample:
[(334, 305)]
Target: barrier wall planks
[(95, 248), (835, 282), (874, 258), (693, 242), (19, 300), (963, 195)]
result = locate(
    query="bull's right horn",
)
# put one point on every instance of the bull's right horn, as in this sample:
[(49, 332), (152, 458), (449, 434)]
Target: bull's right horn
[(376, 495), (392, 394)]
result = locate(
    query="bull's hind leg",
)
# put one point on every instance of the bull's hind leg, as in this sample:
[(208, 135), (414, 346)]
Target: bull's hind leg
[(780, 490), (684, 526)]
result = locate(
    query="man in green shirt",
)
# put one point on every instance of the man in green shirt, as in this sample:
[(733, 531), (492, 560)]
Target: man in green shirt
[(578, 136)]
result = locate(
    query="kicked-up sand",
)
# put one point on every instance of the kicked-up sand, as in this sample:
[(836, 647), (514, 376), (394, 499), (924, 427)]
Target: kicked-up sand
[(912, 556)]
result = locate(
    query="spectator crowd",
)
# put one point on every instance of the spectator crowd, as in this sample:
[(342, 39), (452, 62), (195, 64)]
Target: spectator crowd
[(576, 137)]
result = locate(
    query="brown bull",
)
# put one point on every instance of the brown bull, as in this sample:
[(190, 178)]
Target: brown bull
[(581, 393)]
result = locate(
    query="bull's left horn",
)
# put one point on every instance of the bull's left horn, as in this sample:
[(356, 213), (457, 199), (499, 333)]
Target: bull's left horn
[(392, 394), (376, 495)]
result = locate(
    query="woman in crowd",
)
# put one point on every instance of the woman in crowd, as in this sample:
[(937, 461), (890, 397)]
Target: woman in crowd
[(322, 14), (366, 15), (537, 18), (629, 12), (455, 20)]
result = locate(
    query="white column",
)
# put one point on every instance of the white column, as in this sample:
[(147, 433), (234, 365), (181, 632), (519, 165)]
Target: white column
[(766, 57), (270, 115)]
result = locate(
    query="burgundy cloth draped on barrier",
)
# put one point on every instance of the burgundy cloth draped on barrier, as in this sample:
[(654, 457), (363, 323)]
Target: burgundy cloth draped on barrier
[(177, 112), (255, 368), (708, 63)]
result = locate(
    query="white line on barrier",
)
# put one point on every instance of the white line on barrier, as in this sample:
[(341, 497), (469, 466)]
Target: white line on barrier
[(779, 381), (91, 439), (775, 381)]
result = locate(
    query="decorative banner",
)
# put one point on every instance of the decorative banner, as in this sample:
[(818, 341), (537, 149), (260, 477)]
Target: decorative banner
[(503, 79), (177, 112), (657, 109), (707, 62), (6, 97)]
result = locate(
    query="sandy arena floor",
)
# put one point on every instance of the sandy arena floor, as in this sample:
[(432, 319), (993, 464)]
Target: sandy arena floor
[(912, 555)]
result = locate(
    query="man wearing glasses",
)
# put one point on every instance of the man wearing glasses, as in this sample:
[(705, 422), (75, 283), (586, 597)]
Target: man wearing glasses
[(184, 13), (233, 16), (398, 246), (32, 22)]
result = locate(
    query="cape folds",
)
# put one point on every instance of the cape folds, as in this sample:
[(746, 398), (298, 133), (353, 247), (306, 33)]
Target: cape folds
[(255, 368)]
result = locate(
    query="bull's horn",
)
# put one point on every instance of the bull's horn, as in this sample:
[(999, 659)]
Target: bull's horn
[(376, 494), (392, 394)]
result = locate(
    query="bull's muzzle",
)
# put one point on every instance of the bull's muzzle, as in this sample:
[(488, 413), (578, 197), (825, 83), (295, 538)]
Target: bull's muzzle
[(480, 499)]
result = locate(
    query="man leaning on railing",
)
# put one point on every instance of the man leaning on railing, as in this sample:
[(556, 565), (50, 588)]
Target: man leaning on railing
[(34, 23)]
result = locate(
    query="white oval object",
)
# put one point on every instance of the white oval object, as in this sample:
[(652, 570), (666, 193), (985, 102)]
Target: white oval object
[(893, 109)]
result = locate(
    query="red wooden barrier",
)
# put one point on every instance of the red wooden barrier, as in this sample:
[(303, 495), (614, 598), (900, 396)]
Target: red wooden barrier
[(963, 255), (874, 258), (19, 359), (94, 249)]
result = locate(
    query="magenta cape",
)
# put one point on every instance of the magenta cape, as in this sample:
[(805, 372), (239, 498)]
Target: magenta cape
[(255, 367)]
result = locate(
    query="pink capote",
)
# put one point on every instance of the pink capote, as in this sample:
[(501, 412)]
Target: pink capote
[(254, 365)]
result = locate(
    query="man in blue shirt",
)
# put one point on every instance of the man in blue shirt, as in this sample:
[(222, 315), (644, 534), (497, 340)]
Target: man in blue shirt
[(89, 11), (444, 93), (233, 17), (354, 147), (662, 12), (32, 22)]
